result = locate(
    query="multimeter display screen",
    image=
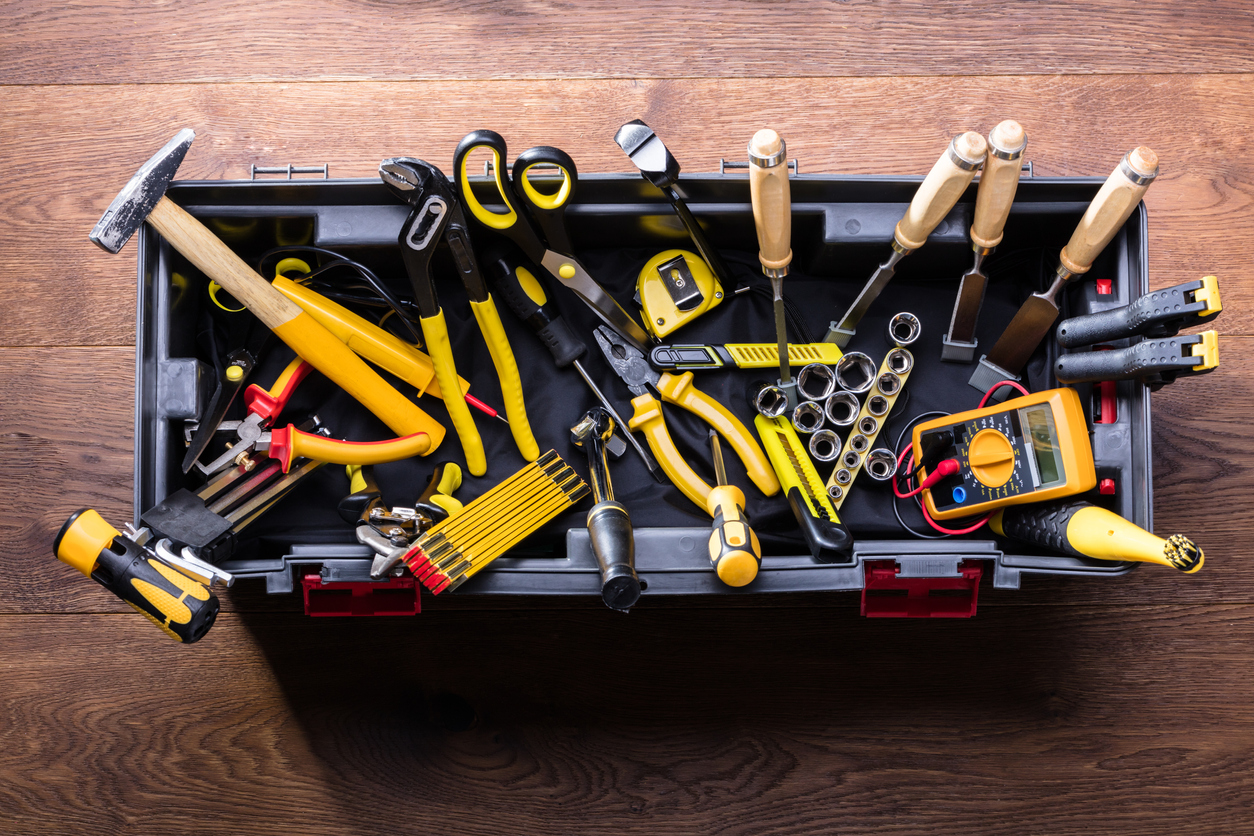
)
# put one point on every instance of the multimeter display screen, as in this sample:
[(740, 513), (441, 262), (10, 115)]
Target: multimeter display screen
[(1039, 423)]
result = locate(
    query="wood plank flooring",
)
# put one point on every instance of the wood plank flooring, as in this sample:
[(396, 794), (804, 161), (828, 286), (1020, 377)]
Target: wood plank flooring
[(1066, 707)]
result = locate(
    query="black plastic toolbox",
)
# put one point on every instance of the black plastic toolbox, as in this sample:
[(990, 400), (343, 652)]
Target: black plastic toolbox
[(842, 227)]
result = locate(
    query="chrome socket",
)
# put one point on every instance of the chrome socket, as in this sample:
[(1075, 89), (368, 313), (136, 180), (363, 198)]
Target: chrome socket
[(816, 381), (888, 384), (807, 417), (859, 444), (855, 372), (881, 464), (900, 361), (771, 401), (825, 446), (904, 329), (842, 409), (850, 461), (835, 492), (843, 477), (878, 405), (868, 426)]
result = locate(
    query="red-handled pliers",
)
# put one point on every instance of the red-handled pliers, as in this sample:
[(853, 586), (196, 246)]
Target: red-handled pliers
[(286, 444)]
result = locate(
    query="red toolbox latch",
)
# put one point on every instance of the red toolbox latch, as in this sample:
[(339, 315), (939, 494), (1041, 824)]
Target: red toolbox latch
[(891, 593), (397, 596)]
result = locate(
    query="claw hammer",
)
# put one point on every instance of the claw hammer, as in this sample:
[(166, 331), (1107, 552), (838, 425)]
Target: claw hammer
[(144, 198)]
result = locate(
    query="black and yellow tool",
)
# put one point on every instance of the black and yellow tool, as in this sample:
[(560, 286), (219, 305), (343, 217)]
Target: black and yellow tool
[(181, 606), (734, 550), (630, 365), (536, 221), (1031, 449), (437, 215), (674, 288), (454, 550), (390, 530), (741, 355), (1081, 529), (828, 538), (609, 524)]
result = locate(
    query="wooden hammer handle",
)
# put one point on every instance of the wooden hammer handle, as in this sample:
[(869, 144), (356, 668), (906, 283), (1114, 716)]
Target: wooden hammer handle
[(998, 183), (941, 189), (314, 343), (772, 200), (1113, 205)]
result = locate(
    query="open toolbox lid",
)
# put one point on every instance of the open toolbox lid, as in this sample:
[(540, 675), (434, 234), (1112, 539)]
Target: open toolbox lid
[(841, 230)]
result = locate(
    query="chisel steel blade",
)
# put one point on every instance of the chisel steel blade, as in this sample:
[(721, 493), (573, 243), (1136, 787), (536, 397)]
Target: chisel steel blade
[(967, 307), (1025, 332)]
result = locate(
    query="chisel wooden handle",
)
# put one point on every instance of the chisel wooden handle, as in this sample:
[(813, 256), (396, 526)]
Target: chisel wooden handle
[(772, 200), (1114, 203), (998, 182), (285, 318), (941, 189)]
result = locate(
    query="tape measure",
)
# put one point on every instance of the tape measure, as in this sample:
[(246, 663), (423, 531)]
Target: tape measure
[(1030, 449), (674, 288)]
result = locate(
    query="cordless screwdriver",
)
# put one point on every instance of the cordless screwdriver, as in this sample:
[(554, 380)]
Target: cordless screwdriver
[(182, 607), (735, 552)]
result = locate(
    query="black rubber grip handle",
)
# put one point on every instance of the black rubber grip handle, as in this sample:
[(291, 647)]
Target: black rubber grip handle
[(1161, 313), (1042, 524), (541, 317), (613, 543), (183, 608), (829, 541), (1150, 357)]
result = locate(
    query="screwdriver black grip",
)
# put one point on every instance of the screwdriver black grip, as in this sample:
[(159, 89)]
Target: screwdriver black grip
[(181, 606), (613, 543), (1167, 356), (1160, 313), (525, 296)]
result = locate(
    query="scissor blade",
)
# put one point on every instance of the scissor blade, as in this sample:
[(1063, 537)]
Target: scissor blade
[(571, 273)]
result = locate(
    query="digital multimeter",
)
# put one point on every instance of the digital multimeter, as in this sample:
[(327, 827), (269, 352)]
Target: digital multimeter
[(1029, 449)]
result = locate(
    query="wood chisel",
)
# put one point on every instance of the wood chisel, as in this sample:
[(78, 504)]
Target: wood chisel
[(936, 195), (1105, 216), (772, 216), (740, 355), (998, 182)]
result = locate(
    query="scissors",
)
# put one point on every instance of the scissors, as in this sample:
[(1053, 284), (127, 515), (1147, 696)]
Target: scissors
[(536, 222)]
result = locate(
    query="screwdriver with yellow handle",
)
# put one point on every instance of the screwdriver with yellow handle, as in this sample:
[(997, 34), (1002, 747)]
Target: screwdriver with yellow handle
[(143, 198), (1081, 529), (735, 552), (182, 607)]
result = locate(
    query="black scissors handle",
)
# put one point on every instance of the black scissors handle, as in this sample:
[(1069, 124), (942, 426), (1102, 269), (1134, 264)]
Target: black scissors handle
[(549, 209), (514, 223)]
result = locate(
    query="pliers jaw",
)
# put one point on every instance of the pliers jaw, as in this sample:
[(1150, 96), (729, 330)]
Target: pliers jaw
[(627, 361)]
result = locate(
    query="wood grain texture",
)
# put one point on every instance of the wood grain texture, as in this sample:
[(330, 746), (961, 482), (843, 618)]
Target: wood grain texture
[(1062, 720), (113, 41), (1202, 201), (1203, 456)]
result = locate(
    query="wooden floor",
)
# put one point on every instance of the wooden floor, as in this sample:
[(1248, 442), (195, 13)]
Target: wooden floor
[(1067, 707)]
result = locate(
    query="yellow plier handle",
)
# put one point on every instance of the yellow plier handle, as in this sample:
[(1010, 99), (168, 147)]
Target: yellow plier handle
[(435, 334), (649, 420), (288, 444), (679, 390), (507, 371)]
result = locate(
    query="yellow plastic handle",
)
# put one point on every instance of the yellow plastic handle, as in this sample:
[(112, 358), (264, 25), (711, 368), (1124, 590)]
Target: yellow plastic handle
[(435, 333), (679, 390), (385, 350), (337, 361), (507, 371), (648, 419), (288, 444)]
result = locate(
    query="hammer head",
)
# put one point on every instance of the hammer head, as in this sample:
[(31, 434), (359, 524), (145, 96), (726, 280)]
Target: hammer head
[(648, 153), (136, 200)]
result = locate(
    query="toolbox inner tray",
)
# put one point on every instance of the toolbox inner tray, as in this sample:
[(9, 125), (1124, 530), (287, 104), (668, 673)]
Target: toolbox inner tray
[(842, 227)]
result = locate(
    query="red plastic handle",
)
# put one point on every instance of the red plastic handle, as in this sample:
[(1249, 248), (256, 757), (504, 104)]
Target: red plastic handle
[(268, 404)]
